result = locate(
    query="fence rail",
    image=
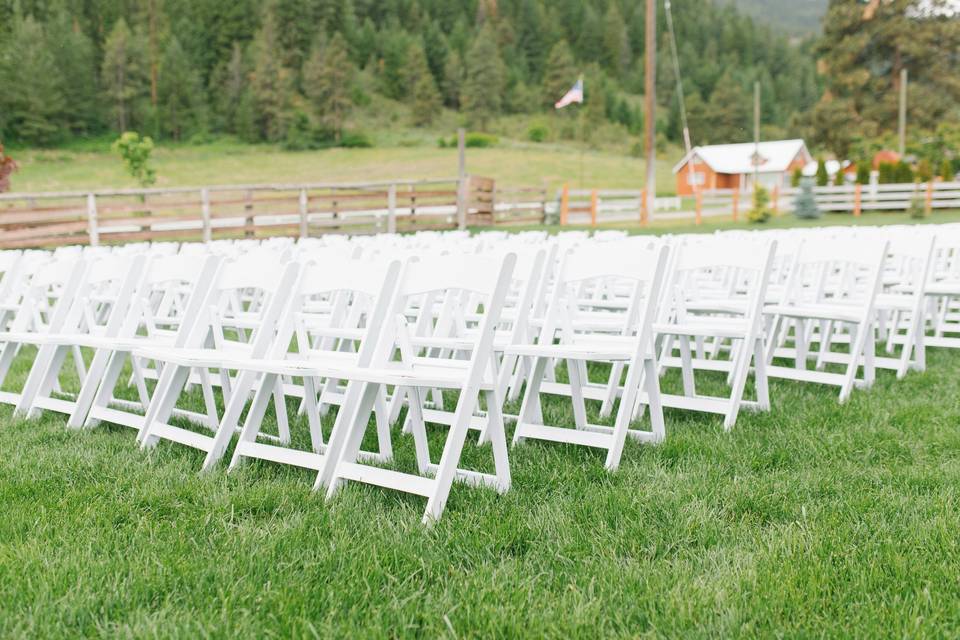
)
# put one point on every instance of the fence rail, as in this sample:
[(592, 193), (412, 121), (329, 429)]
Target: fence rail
[(230, 211)]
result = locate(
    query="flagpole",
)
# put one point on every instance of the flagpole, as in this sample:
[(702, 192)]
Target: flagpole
[(650, 96), (582, 143)]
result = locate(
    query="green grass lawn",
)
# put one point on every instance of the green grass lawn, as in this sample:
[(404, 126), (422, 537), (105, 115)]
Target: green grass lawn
[(512, 163), (783, 221), (812, 520)]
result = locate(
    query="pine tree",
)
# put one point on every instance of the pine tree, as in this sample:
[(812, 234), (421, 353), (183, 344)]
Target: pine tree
[(271, 83), (483, 87), (179, 91), (31, 101), (452, 80), (863, 172), (394, 43), (425, 99), (560, 73), (805, 205), (729, 114), (75, 60), (327, 78), (616, 41), (124, 75), (227, 87)]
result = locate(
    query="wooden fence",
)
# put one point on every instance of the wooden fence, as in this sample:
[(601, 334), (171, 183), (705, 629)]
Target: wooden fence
[(598, 206), (207, 213)]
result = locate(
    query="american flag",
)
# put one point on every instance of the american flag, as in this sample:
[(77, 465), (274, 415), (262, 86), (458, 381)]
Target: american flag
[(574, 95)]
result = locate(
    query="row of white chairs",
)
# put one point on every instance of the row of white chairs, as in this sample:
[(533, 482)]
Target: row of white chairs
[(194, 343)]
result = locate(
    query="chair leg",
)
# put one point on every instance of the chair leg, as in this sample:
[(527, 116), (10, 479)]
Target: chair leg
[(760, 376), (450, 458), (857, 347), (530, 410), (742, 370), (254, 420), (576, 393), (347, 434)]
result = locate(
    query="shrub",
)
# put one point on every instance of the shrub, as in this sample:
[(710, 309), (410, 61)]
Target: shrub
[(903, 173), (760, 211), (355, 140), (480, 140), (946, 171), (805, 206), (924, 171), (7, 166), (538, 133), (863, 172), (887, 172), (299, 134), (135, 153), (918, 206), (822, 176), (840, 178), (796, 178), (442, 142)]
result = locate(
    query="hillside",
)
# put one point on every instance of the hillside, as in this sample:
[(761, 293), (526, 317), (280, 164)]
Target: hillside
[(795, 17)]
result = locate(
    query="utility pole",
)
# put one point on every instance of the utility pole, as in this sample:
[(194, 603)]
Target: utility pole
[(756, 133), (650, 96), (903, 112)]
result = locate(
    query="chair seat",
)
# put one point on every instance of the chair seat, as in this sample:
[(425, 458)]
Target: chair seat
[(440, 375), (594, 348), (895, 301), (817, 311), (192, 357), (707, 327)]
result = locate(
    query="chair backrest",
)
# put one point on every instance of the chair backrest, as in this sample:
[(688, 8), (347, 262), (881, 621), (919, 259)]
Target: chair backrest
[(470, 286), (614, 288)]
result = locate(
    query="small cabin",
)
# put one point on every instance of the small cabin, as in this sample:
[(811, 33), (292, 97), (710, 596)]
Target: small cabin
[(732, 166)]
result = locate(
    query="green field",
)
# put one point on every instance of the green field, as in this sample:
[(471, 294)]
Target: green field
[(95, 167), (814, 520)]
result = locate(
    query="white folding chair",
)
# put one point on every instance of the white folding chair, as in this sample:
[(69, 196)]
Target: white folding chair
[(718, 291), (830, 299), (239, 319), (621, 338), (485, 284)]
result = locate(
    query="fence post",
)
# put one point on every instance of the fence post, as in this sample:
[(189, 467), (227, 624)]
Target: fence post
[(205, 214), (644, 214), (392, 209), (736, 205), (776, 199), (857, 200), (248, 219), (304, 211), (92, 220), (928, 205), (564, 203), (698, 199), (594, 201), (462, 183), (543, 202)]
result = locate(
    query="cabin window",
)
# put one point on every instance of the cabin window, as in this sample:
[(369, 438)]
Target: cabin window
[(696, 179)]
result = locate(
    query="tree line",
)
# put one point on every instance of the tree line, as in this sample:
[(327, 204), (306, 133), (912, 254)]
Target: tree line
[(294, 70)]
